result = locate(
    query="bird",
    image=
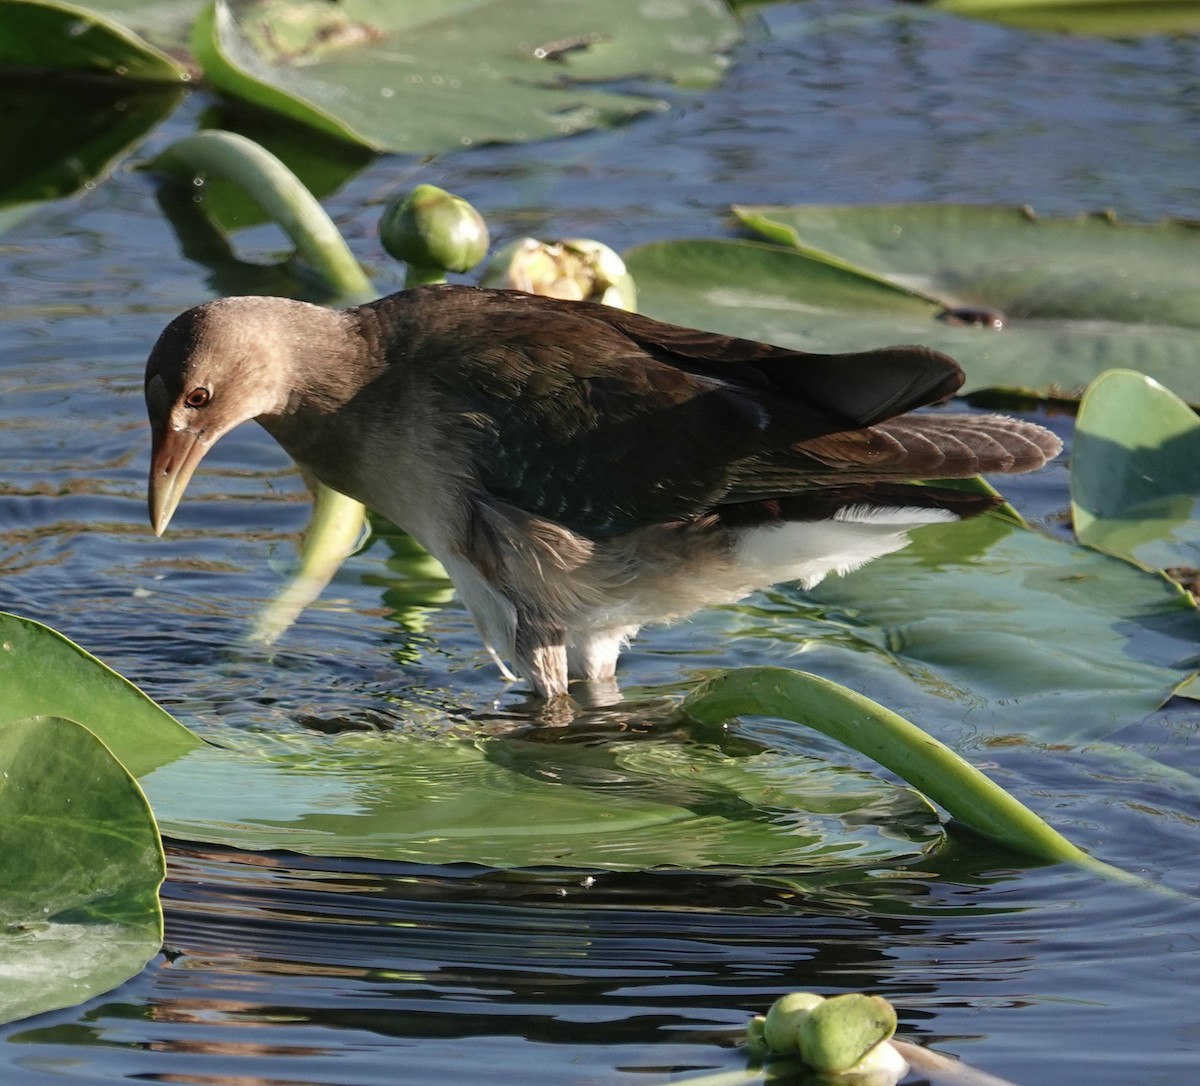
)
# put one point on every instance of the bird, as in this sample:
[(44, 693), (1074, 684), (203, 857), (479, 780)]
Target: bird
[(581, 471)]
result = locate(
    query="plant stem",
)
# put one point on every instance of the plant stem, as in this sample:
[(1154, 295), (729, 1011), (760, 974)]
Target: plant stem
[(336, 528), (282, 196), (419, 275), (944, 1070), (893, 742)]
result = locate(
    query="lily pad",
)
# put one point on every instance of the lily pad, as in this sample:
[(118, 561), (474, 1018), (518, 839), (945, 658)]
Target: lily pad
[(1110, 18), (48, 36), (402, 75), (164, 23), (1135, 472), (44, 673), (984, 628), (1079, 296), (80, 868), (1092, 267), (505, 801)]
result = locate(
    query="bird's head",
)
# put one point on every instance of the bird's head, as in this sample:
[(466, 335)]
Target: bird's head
[(214, 367)]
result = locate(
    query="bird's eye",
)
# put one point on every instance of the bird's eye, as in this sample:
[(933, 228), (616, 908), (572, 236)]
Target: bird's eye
[(198, 397)]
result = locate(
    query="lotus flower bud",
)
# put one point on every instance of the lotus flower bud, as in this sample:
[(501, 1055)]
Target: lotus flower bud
[(433, 232), (577, 270)]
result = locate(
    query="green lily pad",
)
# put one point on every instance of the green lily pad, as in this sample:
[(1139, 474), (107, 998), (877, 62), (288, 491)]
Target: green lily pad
[(80, 868), (166, 24), (986, 628), (1110, 18), (1135, 472), (506, 802), (48, 36), (1079, 296), (44, 673), (402, 75), (1092, 267)]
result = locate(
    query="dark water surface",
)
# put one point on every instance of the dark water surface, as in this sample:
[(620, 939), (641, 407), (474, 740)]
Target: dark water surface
[(280, 969)]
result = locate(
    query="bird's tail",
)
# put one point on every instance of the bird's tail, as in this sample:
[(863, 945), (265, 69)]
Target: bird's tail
[(952, 446)]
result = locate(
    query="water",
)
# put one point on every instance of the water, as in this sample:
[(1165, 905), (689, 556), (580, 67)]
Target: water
[(279, 969)]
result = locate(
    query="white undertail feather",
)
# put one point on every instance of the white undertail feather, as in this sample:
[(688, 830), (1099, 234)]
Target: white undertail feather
[(807, 551)]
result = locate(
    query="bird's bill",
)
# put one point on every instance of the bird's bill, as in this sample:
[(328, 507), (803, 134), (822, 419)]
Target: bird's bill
[(174, 455)]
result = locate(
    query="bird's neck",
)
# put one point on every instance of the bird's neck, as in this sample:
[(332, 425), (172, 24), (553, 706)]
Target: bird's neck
[(329, 364)]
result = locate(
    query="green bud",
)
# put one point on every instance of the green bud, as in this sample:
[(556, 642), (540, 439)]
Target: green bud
[(838, 1032), (432, 229), (781, 1029), (756, 1040)]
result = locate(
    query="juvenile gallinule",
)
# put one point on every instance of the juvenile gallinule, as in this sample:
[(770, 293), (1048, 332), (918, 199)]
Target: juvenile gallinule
[(578, 470)]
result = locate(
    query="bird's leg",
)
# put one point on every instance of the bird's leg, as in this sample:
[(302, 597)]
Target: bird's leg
[(541, 653), (593, 655)]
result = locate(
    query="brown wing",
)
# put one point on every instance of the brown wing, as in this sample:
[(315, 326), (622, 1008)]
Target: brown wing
[(606, 421)]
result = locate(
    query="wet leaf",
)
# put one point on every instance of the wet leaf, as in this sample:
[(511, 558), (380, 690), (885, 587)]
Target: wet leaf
[(1135, 472), (1089, 268), (1112, 18), (986, 628), (44, 673), (47, 36), (616, 803), (400, 75), (1077, 296), (80, 868)]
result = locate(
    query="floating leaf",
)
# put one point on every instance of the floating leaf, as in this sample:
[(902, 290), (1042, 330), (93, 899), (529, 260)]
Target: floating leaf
[(80, 868), (48, 36), (1089, 268), (983, 628), (164, 23), (401, 75), (619, 804), (1135, 472), (1079, 296), (1112, 18), (43, 673)]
